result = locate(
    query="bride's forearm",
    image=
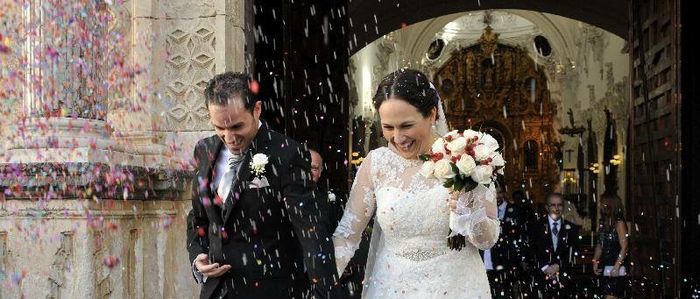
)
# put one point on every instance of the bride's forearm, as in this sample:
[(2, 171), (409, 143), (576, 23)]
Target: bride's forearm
[(491, 210)]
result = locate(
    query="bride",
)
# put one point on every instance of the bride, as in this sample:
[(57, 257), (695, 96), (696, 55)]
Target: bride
[(410, 256)]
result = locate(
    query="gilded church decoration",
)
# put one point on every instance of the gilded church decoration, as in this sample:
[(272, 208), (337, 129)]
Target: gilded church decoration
[(499, 89)]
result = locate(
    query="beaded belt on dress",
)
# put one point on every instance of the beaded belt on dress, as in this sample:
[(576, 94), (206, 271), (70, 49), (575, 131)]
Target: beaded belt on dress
[(419, 255)]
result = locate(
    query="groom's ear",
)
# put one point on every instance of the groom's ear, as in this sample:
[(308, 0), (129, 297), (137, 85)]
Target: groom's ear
[(257, 109)]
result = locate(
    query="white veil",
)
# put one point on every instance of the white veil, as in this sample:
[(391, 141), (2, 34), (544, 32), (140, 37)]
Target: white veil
[(376, 240), (441, 125)]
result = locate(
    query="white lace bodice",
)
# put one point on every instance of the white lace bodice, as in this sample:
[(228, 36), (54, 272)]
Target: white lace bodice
[(413, 218)]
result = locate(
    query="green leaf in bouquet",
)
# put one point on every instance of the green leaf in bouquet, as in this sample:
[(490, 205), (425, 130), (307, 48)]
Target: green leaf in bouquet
[(448, 183), (459, 183), (424, 157), (454, 168), (469, 184)]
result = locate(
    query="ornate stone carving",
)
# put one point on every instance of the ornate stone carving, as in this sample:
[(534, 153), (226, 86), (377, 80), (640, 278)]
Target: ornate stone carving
[(103, 284), (185, 9), (385, 47), (487, 42), (190, 65), (592, 39), (61, 265), (609, 79), (120, 18), (119, 29), (591, 93)]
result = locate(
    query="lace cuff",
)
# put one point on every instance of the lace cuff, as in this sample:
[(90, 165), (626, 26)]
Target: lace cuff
[(471, 220), (343, 254), (345, 239)]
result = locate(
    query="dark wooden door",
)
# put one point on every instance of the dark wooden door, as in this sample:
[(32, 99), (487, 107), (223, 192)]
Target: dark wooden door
[(654, 147)]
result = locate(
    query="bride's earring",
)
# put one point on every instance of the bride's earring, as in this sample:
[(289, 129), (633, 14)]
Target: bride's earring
[(434, 128)]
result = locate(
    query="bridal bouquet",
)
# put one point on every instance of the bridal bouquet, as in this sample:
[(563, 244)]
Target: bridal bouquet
[(462, 161)]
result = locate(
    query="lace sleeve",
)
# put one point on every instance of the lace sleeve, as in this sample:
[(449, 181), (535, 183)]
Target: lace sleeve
[(476, 217), (358, 211)]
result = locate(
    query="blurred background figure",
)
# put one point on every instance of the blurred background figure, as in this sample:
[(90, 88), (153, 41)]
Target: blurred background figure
[(609, 259), (503, 260), (554, 246)]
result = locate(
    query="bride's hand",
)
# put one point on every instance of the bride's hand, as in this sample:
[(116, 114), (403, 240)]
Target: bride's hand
[(452, 202)]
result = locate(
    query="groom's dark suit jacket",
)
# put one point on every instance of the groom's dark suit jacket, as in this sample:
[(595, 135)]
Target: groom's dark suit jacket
[(271, 236)]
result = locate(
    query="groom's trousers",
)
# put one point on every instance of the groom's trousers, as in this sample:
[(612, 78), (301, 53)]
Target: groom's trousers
[(235, 286)]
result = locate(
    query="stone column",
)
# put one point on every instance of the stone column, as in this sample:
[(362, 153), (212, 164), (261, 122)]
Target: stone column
[(95, 161)]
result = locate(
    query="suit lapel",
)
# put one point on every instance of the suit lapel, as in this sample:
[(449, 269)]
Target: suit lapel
[(560, 236), (208, 163), (548, 235), (237, 189), (259, 145)]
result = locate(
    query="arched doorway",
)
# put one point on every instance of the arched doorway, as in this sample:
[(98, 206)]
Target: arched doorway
[(373, 19)]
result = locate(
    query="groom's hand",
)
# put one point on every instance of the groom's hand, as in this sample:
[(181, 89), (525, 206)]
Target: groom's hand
[(207, 269)]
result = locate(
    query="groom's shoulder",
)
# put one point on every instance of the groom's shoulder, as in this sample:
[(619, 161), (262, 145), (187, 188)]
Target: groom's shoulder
[(284, 143), (205, 143)]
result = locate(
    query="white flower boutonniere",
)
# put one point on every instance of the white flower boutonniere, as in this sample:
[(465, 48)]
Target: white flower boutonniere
[(257, 165), (331, 196)]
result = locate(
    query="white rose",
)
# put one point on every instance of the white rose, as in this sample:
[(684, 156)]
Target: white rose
[(457, 146), (470, 134), (443, 170), (427, 169), (497, 160), (260, 160), (454, 134), (489, 142), (331, 196), (439, 146), (481, 152), (466, 165), (482, 174), (258, 164)]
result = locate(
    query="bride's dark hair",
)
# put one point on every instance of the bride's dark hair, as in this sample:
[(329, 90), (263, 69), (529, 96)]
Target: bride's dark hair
[(409, 85)]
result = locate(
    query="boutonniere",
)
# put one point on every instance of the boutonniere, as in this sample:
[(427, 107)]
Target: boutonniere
[(331, 196), (257, 165)]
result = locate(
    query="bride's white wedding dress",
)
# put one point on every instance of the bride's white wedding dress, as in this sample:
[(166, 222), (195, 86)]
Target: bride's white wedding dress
[(409, 256)]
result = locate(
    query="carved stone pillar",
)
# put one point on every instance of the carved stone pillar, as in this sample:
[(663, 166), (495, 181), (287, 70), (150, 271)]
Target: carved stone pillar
[(85, 172)]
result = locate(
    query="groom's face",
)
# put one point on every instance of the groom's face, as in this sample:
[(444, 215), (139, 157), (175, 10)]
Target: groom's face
[(235, 125)]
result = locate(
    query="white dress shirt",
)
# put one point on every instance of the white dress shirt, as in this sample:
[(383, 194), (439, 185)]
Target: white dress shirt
[(555, 238)]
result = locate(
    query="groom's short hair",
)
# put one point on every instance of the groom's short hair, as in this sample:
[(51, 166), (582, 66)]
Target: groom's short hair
[(224, 87)]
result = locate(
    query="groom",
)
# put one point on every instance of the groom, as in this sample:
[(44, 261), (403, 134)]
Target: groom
[(252, 231)]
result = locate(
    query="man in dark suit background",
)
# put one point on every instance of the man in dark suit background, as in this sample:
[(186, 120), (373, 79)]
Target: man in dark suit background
[(503, 260), (253, 231), (554, 242)]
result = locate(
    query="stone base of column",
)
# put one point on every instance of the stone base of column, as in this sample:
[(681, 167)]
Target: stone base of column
[(72, 140)]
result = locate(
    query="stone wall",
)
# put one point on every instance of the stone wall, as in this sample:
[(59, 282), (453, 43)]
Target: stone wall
[(95, 195)]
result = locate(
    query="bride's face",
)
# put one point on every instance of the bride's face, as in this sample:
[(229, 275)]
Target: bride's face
[(405, 128)]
